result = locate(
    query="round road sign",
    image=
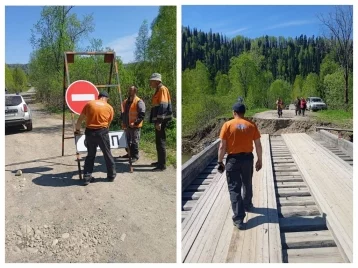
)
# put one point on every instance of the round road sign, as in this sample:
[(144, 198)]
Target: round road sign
[(79, 93)]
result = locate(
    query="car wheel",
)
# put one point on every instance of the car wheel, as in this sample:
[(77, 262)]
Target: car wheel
[(29, 126)]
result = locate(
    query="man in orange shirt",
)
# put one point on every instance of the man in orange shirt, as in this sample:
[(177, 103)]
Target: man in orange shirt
[(98, 115), (160, 114), (132, 121), (237, 138)]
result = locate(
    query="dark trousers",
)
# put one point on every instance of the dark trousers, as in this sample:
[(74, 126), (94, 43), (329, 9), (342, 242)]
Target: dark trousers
[(303, 111), (133, 137), (95, 138), (298, 111), (239, 170), (279, 112), (160, 140)]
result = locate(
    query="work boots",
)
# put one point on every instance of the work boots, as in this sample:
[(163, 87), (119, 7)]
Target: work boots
[(134, 152), (88, 179)]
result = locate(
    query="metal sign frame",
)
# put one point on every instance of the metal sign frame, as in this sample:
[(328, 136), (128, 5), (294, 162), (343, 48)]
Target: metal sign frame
[(109, 57)]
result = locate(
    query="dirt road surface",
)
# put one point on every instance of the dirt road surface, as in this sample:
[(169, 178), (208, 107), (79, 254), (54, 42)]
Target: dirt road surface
[(51, 217)]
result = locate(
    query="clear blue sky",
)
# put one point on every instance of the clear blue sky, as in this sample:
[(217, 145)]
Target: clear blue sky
[(116, 26), (256, 21)]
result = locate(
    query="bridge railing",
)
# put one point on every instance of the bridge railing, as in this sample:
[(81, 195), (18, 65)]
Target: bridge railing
[(192, 168)]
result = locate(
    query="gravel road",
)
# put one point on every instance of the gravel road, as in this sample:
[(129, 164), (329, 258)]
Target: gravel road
[(51, 217)]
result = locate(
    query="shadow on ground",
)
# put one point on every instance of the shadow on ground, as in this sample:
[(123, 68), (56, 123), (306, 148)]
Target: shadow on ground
[(71, 178)]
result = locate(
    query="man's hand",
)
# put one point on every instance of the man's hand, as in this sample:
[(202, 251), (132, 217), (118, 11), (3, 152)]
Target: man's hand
[(258, 165), (131, 125), (158, 126), (78, 132), (221, 167)]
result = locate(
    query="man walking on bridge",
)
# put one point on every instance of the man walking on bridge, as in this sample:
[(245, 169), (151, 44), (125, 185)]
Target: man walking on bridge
[(160, 115), (98, 115), (132, 121), (237, 138)]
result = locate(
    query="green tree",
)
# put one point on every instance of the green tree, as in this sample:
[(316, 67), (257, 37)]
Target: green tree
[(223, 85), (328, 66), (19, 79), (340, 27), (243, 74), (58, 30), (297, 87), (311, 85), (334, 84), (9, 80), (141, 51), (279, 89), (162, 45)]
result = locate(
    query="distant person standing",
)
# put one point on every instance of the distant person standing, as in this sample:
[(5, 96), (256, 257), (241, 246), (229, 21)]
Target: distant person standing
[(279, 106), (303, 106), (98, 115), (298, 106), (160, 115), (132, 121), (237, 138)]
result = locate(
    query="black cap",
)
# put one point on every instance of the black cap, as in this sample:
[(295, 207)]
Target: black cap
[(239, 108), (103, 94)]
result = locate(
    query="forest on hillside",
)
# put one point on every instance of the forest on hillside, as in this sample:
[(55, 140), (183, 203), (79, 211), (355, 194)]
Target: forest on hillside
[(216, 70)]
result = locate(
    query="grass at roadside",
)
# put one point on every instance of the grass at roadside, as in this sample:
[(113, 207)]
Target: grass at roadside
[(338, 117)]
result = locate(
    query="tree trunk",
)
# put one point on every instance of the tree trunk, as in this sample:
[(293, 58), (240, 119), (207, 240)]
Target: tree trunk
[(346, 80)]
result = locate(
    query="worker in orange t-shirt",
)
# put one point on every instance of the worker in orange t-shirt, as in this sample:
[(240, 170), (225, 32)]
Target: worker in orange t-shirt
[(98, 115), (237, 138)]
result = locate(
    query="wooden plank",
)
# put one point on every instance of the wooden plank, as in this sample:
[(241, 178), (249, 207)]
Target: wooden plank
[(287, 173), (289, 179), (291, 211), (313, 239), (202, 181), (289, 184), (282, 161), (285, 168), (335, 129), (191, 195), (309, 255), (283, 192), (296, 201), (196, 188), (184, 214), (330, 181), (275, 246), (205, 176), (222, 248), (209, 236), (284, 164), (194, 222), (209, 171), (205, 243), (188, 204), (260, 241), (305, 223)]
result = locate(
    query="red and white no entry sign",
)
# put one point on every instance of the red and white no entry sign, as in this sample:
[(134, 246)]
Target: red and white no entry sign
[(79, 93)]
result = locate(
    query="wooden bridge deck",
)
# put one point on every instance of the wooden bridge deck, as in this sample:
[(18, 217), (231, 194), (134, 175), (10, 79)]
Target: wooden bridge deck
[(208, 234), (330, 180)]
